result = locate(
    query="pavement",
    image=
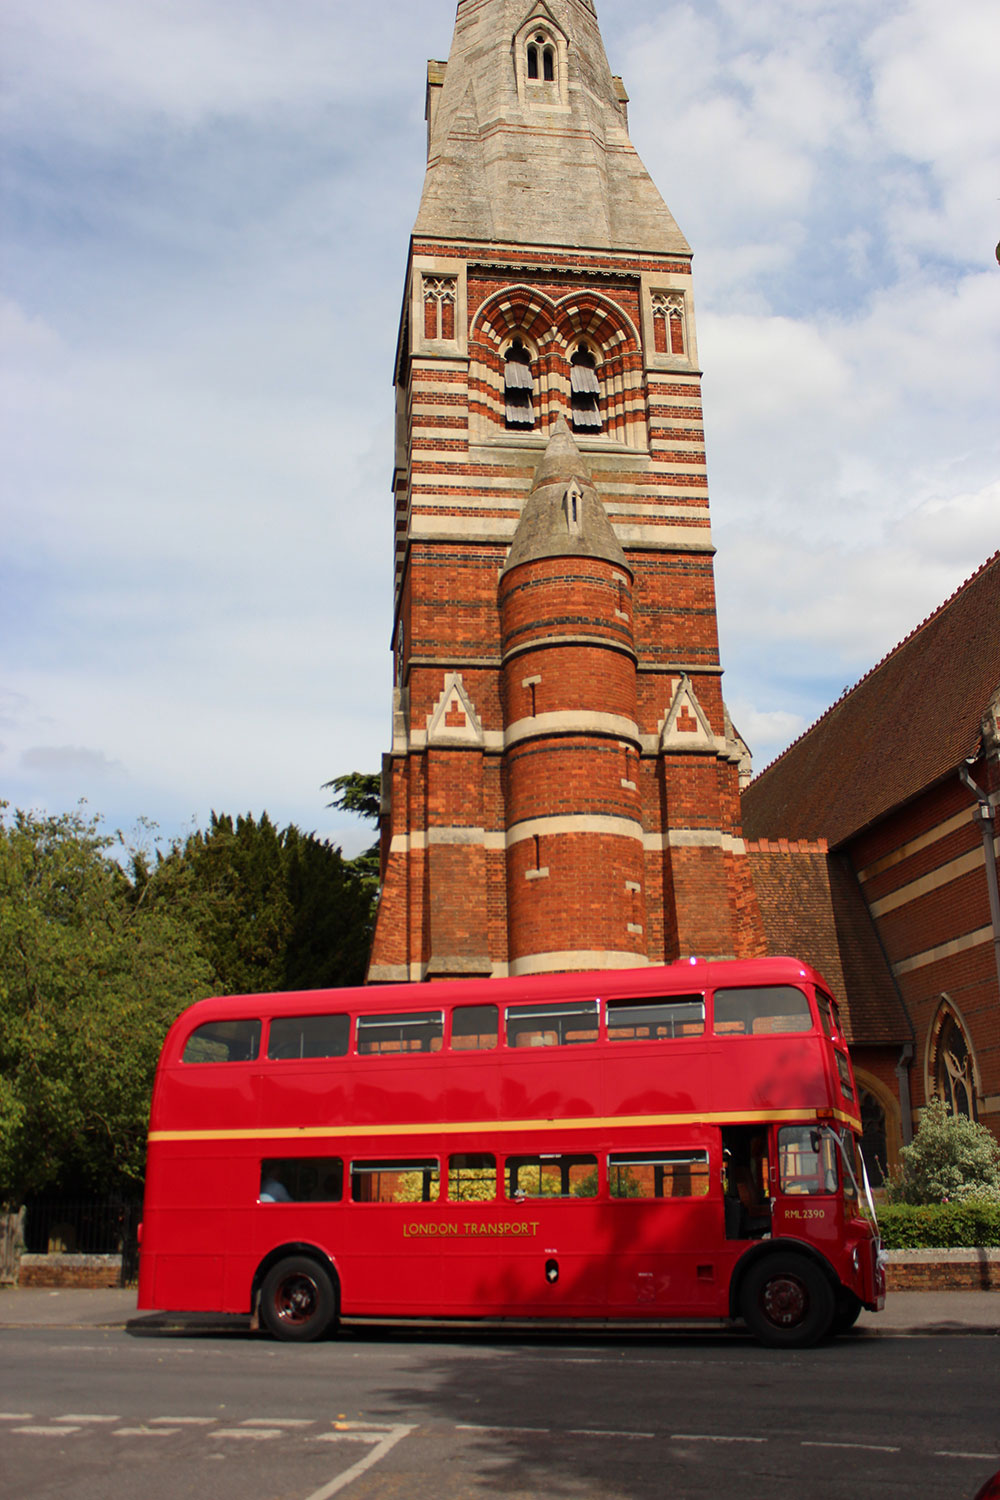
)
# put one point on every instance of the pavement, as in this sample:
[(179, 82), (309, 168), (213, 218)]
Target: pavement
[(906, 1314)]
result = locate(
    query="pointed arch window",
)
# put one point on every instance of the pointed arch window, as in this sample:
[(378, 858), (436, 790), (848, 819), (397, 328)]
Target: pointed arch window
[(953, 1070), (518, 387), (541, 59), (585, 391)]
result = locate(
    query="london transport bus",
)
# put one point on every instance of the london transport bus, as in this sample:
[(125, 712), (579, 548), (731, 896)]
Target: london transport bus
[(660, 1143)]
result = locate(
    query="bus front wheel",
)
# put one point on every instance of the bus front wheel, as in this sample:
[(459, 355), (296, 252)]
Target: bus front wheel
[(787, 1302), (298, 1300)]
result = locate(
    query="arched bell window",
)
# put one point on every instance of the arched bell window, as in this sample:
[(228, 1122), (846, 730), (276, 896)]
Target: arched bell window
[(518, 387), (585, 391), (541, 59)]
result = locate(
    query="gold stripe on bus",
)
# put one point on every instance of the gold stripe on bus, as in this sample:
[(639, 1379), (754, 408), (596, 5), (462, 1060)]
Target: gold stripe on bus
[(494, 1127)]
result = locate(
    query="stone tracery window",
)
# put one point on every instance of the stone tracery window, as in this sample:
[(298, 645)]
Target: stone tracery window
[(668, 323), (440, 295), (952, 1069), (518, 387)]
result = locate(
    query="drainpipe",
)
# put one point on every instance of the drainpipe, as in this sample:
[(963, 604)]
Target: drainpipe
[(985, 815), (903, 1080)]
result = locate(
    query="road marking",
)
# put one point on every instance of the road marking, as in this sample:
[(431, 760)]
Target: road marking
[(986, 1458), (183, 1421), (260, 1433), (606, 1432), (16, 1416), (348, 1437), (46, 1431), (76, 1416), (866, 1447), (277, 1422), (482, 1427), (144, 1431), (711, 1437), (385, 1444)]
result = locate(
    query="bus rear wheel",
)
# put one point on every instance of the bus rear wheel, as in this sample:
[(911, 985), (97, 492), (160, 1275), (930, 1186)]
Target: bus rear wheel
[(297, 1300), (787, 1302)]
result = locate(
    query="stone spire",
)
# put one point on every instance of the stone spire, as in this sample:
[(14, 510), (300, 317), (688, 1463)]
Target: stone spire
[(563, 516), (528, 136)]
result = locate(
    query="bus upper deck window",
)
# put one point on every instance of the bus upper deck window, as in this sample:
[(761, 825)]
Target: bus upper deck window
[(827, 1012), (474, 1027), (654, 1020), (557, 1024), (418, 1031), (308, 1036), (759, 1010), (223, 1041)]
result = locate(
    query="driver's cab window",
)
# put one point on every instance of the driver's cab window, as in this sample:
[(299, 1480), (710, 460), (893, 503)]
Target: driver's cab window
[(807, 1160)]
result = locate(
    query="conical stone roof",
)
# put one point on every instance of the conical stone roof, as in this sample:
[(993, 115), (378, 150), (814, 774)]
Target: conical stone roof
[(563, 516), (505, 165)]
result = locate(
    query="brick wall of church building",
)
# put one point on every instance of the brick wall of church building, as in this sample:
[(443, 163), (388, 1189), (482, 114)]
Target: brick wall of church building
[(923, 873)]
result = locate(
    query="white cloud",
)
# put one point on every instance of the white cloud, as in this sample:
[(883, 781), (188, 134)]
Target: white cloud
[(208, 208)]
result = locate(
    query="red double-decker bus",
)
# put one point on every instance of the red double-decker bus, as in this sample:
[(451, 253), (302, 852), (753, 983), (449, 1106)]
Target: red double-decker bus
[(661, 1143)]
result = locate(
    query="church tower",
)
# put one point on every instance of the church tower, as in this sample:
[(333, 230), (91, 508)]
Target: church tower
[(563, 786)]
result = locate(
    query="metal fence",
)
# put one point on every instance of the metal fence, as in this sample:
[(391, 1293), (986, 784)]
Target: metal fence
[(85, 1226)]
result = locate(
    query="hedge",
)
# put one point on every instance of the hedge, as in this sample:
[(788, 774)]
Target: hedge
[(973, 1224)]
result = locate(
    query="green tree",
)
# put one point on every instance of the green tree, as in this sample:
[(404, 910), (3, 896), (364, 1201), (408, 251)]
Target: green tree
[(274, 909), (950, 1158), (360, 792), (91, 976)]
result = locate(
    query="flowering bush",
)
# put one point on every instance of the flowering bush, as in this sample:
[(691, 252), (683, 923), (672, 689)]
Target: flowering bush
[(950, 1159)]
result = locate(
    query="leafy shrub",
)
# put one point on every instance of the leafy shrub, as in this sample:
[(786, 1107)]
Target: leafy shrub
[(951, 1158), (973, 1223)]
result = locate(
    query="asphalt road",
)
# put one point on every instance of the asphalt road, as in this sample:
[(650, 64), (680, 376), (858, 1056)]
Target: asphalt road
[(106, 1414)]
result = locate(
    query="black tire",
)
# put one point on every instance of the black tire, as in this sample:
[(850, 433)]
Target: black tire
[(846, 1312), (787, 1302), (298, 1301)]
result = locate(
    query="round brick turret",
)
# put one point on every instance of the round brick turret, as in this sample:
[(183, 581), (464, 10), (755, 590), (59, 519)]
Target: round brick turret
[(571, 746)]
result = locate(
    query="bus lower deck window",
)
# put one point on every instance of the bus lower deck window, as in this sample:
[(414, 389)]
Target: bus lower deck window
[(552, 1175), (416, 1181), (472, 1178), (302, 1179), (658, 1174)]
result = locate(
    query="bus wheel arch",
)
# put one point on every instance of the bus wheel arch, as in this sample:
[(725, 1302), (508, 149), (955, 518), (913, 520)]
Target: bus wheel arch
[(296, 1293), (786, 1294)]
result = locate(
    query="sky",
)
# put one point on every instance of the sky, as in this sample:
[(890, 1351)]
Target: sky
[(206, 209)]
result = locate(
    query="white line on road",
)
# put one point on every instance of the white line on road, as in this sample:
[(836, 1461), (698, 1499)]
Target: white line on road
[(16, 1416), (76, 1416), (348, 1437), (144, 1431), (183, 1421), (260, 1433), (985, 1458), (277, 1422), (46, 1431), (606, 1432), (866, 1447), (711, 1437), (482, 1427), (386, 1443)]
